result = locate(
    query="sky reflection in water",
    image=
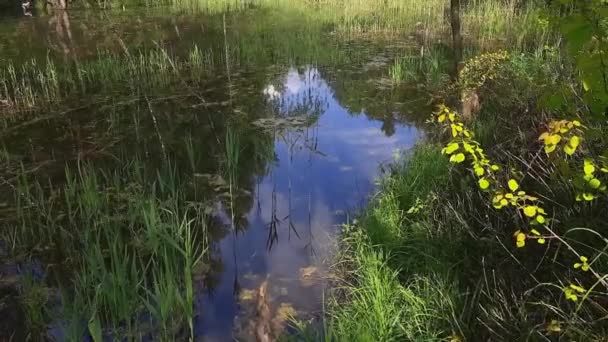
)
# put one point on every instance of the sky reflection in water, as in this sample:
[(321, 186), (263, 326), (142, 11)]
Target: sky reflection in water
[(321, 173)]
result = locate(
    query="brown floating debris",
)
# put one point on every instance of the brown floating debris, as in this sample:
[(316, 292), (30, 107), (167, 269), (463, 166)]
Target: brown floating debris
[(309, 275)]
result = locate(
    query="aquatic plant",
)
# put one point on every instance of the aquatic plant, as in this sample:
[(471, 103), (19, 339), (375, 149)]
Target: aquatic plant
[(131, 247), (32, 86)]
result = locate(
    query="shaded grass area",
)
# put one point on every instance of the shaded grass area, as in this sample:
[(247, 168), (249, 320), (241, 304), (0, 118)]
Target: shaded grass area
[(120, 243), (122, 255)]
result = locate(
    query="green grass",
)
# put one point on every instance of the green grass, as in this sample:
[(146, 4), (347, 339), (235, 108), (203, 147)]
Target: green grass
[(32, 85), (487, 25), (378, 306), (431, 244), (131, 244), (399, 275)]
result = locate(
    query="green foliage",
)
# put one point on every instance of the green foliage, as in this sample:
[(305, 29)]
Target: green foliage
[(399, 282), (554, 287), (586, 32), (379, 307), (132, 249)]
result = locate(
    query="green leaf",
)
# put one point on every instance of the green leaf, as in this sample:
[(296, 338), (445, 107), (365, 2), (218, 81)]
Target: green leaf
[(95, 329), (578, 32)]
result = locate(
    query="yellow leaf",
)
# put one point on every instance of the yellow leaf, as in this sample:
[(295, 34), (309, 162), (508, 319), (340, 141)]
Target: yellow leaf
[(540, 219), (554, 327), (577, 288), (520, 244), (541, 241), (550, 148), (588, 196), (513, 185), (457, 158), (588, 167), (479, 171), (595, 183), (576, 123), (543, 136), (569, 150), (451, 148), (496, 167), (530, 210), (484, 183), (454, 131), (441, 118), (574, 141), (553, 139), (468, 147)]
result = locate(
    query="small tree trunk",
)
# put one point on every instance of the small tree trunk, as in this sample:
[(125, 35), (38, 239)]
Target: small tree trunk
[(56, 4), (456, 34)]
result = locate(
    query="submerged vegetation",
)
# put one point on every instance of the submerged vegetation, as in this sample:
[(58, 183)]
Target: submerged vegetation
[(130, 173), (132, 250)]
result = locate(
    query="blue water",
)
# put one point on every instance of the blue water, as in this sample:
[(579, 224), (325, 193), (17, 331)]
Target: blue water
[(322, 175)]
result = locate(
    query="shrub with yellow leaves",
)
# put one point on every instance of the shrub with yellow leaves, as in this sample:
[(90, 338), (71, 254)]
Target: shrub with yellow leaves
[(463, 147), (480, 69), (565, 133)]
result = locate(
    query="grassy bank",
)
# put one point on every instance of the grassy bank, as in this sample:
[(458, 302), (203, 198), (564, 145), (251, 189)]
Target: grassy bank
[(495, 228), (405, 275), (487, 21)]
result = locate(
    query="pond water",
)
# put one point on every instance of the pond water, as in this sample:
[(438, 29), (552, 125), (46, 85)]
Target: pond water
[(314, 112)]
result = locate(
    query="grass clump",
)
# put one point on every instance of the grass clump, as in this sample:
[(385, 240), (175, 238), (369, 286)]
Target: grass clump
[(399, 275), (32, 85), (132, 251)]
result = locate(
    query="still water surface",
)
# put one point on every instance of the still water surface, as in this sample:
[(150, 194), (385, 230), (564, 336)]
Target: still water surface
[(319, 174)]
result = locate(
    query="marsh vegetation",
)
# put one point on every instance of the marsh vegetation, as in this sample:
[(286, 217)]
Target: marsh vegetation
[(266, 169)]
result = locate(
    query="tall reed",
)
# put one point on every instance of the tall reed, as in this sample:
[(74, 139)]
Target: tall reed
[(131, 241)]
